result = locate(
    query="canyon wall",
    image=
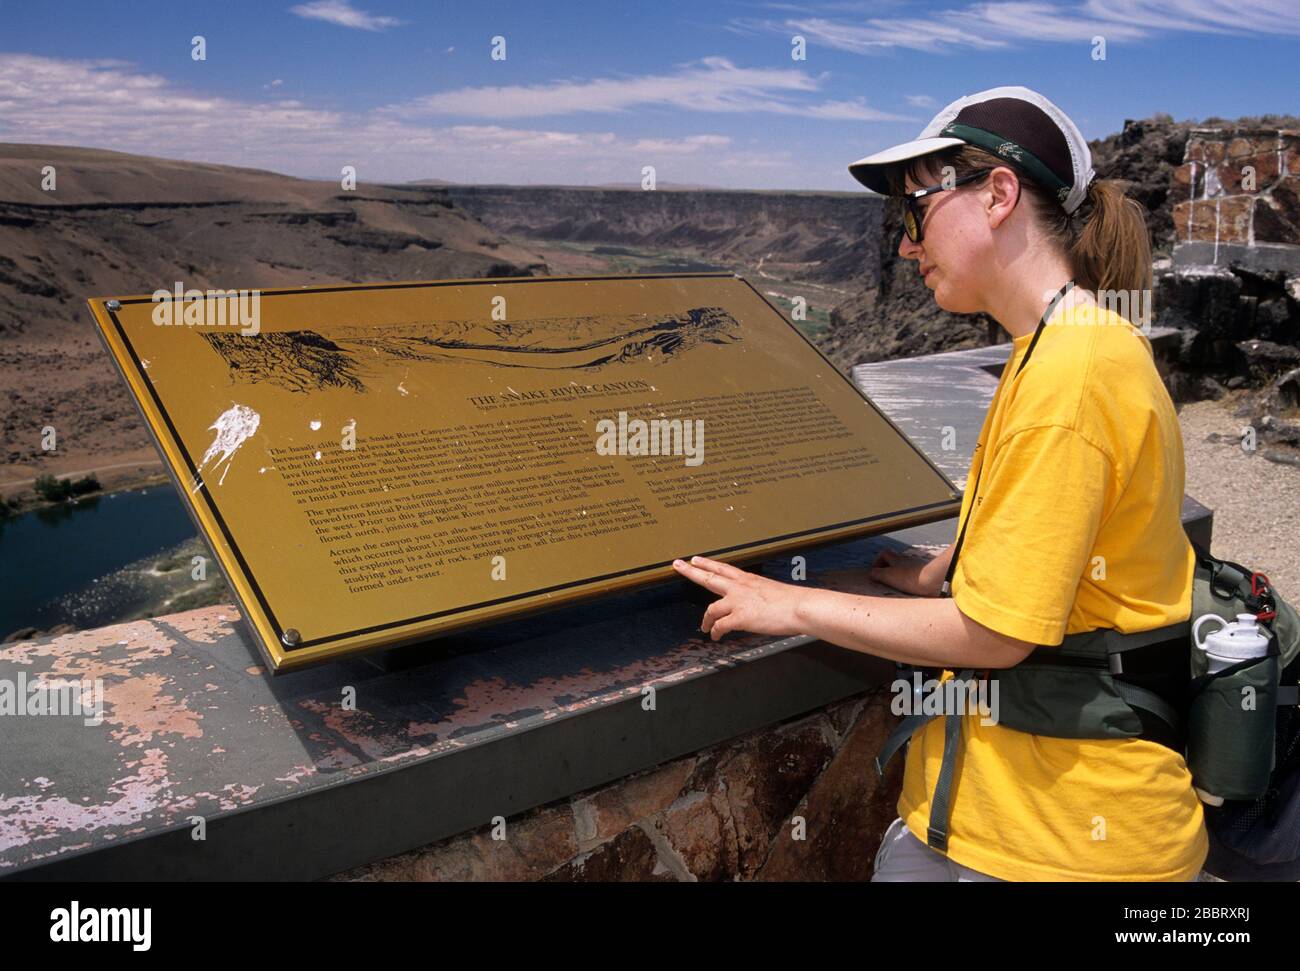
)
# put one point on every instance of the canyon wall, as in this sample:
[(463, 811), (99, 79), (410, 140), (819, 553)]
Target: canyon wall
[(821, 236)]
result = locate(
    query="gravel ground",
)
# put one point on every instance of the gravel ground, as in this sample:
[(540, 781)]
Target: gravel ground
[(1256, 503)]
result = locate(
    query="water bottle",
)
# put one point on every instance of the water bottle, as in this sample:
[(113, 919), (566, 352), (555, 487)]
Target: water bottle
[(1231, 643)]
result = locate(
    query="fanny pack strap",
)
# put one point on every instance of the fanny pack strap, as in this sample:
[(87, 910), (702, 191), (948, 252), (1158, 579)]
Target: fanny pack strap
[(941, 801)]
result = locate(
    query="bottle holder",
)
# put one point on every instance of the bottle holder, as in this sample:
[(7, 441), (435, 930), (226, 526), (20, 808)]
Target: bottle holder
[(1231, 729)]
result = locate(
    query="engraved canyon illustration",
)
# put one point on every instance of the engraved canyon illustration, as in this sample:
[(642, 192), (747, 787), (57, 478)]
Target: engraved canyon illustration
[(307, 360)]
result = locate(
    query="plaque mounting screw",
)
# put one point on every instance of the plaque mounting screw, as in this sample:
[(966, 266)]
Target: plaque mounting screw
[(290, 637), (114, 305)]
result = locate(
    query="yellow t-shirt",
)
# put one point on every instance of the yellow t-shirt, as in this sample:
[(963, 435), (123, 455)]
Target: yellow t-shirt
[(1077, 526)]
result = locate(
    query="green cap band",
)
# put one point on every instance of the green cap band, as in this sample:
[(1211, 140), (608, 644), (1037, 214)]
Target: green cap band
[(1013, 153)]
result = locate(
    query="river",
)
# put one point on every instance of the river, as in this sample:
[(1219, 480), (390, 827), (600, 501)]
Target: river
[(93, 562)]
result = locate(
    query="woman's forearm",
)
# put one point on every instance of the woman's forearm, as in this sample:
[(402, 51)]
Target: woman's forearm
[(922, 631), (932, 573)]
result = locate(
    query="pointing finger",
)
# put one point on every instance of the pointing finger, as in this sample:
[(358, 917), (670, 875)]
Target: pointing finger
[(718, 567), (710, 581)]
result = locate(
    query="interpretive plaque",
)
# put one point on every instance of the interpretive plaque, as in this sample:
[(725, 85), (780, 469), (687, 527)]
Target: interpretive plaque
[(377, 465)]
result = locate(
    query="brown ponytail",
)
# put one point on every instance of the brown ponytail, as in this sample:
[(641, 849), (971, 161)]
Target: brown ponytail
[(1112, 250)]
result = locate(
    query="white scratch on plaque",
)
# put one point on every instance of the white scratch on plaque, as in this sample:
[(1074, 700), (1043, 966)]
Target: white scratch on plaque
[(233, 428)]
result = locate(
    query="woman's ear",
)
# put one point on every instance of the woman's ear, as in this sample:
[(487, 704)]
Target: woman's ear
[(1004, 192)]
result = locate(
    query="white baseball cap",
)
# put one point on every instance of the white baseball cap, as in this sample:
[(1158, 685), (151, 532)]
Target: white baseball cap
[(1014, 123)]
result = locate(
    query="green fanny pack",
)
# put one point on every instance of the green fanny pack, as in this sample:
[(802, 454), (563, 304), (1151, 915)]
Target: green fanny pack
[(1154, 685)]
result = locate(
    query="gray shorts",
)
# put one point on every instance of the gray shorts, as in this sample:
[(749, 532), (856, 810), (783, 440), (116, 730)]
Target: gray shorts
[(903, 858)]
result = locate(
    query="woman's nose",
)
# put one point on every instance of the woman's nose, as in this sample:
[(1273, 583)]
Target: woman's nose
[(907, 249)]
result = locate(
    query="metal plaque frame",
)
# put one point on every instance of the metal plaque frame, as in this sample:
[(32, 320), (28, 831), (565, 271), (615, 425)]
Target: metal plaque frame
[(930, 495)]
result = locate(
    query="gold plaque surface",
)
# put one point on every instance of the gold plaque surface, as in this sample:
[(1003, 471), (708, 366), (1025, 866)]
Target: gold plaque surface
[(375, 465)]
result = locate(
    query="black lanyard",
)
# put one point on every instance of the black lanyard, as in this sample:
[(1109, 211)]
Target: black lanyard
[(946, 589)]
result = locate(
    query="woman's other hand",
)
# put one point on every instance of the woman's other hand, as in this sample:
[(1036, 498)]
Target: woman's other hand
[(910, 574)]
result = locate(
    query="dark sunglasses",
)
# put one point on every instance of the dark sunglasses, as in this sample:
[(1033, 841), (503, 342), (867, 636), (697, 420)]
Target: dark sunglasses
[(912, 213)]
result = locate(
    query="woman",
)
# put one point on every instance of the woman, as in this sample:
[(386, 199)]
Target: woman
[(1079, 476)]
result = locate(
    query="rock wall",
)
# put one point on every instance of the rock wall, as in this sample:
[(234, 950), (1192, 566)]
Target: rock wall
[(827, 232), (1233, 283), (1144, 156), (800, 800), (1240, 186)]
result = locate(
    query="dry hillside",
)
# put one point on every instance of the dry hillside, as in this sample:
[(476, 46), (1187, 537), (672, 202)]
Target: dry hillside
[(119, 224)]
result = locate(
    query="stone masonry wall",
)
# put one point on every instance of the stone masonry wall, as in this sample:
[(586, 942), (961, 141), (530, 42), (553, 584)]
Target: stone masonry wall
[(799, 800), (1233, 284), (1219, 202)]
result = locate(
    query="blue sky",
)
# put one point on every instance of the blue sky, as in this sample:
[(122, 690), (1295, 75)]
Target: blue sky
[(588, 93)]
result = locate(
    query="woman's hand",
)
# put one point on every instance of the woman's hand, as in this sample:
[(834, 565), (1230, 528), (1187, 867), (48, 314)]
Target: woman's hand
[(748, 602), (910, 574)]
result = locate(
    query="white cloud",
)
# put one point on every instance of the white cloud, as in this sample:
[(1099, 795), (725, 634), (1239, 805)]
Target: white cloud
[(713, 84), (1208, 16), (343, 14), (921, 101), (105, 104), (855, 110), (1007, 23)]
